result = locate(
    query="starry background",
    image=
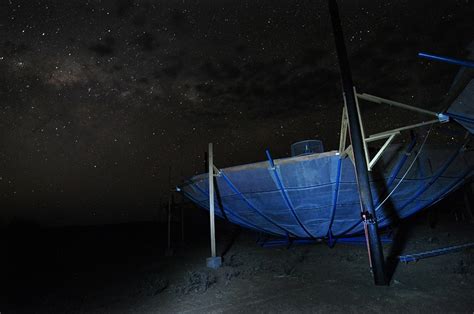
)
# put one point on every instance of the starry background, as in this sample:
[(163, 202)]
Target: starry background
[(105, 104)]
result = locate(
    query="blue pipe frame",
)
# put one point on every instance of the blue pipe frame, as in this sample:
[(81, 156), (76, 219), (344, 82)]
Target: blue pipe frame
[(461, 62), (236, 217), (251, 206), (284, 194)]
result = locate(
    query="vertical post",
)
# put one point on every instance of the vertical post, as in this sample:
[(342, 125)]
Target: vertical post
[(213, 261), (342, 136), (367, 206), (211, 201), (362, 131)]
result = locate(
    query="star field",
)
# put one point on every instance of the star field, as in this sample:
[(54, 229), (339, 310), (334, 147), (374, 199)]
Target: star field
[(99, 99)]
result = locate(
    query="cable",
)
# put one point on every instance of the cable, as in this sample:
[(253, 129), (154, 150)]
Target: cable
[(408, 170)]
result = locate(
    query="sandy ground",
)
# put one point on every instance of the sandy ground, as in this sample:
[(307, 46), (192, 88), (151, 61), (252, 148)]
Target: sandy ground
[(315, 278), (123, 269)]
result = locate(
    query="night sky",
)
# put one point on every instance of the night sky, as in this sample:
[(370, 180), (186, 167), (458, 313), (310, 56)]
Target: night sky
[(99, 99)]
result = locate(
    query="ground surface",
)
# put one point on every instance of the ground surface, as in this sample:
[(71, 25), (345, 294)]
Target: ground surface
[(123, 269)]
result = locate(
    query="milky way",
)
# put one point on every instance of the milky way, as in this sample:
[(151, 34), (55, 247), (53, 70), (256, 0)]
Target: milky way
[(100, 99)]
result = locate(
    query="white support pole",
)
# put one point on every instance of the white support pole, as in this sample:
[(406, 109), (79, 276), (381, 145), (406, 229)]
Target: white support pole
[(379, 136), (381, 151), (216, 171), (349, 152), (379, 100), (214, 261), (388, 133), (362, 131), (211, 200), (343, 135)]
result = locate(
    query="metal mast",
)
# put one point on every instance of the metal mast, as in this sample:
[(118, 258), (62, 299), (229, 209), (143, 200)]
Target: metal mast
[(367, 207)]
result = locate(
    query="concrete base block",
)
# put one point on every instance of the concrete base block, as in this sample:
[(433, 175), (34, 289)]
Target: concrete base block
[(214, 262)]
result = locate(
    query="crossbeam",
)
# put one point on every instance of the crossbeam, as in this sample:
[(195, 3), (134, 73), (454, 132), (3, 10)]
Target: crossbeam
[(381, 151), (380, 100), (385, 134), (388, 135)]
